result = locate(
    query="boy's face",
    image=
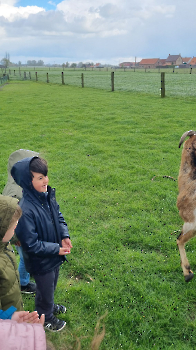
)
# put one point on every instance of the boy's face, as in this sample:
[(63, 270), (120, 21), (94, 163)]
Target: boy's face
[(10, 232), (40, 182)]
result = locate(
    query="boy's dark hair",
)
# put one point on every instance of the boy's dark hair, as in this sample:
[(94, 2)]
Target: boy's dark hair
[(39, 165)]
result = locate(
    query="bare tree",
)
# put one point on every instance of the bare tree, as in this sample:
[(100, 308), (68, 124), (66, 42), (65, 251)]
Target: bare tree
[(6, 60)]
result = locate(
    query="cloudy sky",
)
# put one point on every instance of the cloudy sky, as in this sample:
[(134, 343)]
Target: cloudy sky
[(105, 31)]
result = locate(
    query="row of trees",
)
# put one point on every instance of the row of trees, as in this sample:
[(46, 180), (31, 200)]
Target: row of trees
[(35, 63), (6, 63)]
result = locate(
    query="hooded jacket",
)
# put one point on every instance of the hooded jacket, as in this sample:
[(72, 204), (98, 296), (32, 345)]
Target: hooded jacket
[(9, 277), (42, 227), (11, 189)]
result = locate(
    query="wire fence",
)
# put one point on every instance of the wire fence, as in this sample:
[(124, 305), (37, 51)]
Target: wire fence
[(178, 82), (4, 78)]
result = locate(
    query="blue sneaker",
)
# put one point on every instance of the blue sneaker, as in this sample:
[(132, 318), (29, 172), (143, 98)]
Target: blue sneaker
[(59, 309), (54, 324)]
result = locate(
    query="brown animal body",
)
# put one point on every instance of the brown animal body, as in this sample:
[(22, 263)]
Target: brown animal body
[(186, 201)]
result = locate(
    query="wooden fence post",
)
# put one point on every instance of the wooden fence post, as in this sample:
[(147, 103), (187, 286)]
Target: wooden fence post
[(63, 79), (191, 70), (14, 72), (112, 80), (36, 78), (25, 75), (47, 78), (162, 84), (29, 75), (82, 79)]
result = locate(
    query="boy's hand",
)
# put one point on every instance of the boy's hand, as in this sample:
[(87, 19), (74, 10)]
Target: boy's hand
[(63, 251), (66, 243)]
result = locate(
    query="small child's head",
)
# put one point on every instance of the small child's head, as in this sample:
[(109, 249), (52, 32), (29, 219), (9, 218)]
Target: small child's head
[(39, 171), (10, 213)]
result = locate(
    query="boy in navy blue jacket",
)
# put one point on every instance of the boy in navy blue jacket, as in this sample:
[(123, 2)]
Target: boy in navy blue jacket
[(43, 234)]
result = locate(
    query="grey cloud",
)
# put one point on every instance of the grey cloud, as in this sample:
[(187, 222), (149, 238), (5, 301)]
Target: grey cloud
[(109, 10)]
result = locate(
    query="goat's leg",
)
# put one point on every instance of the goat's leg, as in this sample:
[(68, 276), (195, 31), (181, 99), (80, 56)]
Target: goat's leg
[(184, 237)]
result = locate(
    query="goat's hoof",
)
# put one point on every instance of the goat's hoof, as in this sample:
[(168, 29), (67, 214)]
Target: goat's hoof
[(189, 276)]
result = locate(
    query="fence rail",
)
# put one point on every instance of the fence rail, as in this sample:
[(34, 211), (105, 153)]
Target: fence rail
[(177, 82)]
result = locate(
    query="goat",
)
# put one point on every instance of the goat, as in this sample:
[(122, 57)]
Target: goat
[(186, 201)]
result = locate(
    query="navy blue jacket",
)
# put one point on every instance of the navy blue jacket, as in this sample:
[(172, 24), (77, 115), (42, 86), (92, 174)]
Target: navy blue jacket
[(41, 227)]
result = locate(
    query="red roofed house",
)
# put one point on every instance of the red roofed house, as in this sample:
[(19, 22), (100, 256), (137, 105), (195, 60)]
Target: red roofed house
[(149, 63), (162, 62), (186, 60), (173, 60), (193, 61), (127, 64)]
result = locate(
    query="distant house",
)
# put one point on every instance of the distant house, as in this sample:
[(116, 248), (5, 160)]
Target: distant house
[(173, 60), (127, 64), (98, 65), (186, 60), (192, 61), (149, 63), (162, 62)]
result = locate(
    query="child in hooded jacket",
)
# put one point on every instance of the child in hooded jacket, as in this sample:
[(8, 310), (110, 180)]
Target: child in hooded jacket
[(11, 189), (43, 234), (10, 294), (11, 304)]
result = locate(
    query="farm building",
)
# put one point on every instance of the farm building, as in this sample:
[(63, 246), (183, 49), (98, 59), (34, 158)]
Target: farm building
[(186, 60), (149, 63), (162, 62), (127, 64), (173, 60), (192, 61)]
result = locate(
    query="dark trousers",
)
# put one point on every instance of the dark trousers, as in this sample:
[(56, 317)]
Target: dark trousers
[(44, 299)]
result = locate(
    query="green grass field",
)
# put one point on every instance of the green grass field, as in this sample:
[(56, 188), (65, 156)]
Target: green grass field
[(108, 155), (178, 84)]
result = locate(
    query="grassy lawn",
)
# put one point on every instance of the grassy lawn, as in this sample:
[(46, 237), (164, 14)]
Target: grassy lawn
[(108, 155)]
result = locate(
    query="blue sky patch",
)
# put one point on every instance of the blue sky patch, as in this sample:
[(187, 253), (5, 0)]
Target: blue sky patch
[(47, 5)]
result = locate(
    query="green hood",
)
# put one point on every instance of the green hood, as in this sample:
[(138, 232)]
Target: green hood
[(8, 206), (11, 188)]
